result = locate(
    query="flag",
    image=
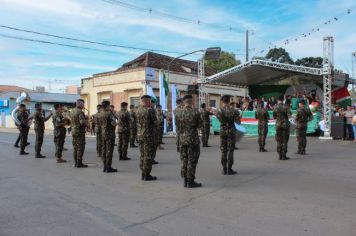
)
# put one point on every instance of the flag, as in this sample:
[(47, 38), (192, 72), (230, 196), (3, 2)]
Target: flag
[(174, 105), (341, 97), (165, 84), (151, 93), (162, 91)]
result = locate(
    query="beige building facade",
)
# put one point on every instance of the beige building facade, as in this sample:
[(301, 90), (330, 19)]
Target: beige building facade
[(129, 82)]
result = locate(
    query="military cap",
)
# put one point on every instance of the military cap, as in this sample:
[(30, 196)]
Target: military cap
[(105, 104), (146, 97), (132, 106), (188, 96), (124, 104), (38, 105), (225, 98), (80, 100)]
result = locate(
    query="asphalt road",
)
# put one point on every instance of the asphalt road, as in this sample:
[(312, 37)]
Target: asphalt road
[(313, 195)]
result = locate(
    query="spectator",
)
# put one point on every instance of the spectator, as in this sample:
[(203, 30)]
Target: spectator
[(348, 114), (354, 125)]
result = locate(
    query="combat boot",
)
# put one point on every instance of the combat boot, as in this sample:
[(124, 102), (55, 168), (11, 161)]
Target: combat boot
[(185, 183), (23, 153), (280, 157), (104, 168), (155, 162), (81, 165), (60, 160), (110, 170), (230, 171), (263, 149), (40, 156), (224, 170), (16, 146), (193, 184), (149, 178), (285, 158)]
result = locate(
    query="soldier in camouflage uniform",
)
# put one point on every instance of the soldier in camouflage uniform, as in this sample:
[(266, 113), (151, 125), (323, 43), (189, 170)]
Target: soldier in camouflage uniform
[(39, 119), (78, 124), (124, 119), (227, 116), (282, 113), (189, 122), (133, 127), (304, 115), (155, 134), (59, 131), (160, 120), (262, 116), (98, 131), (145, 126), (176, 118), (205, 130), (24, 117), (107, 121)]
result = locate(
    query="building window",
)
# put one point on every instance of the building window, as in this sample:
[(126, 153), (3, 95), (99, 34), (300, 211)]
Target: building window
[(212, 103), (135, 101)]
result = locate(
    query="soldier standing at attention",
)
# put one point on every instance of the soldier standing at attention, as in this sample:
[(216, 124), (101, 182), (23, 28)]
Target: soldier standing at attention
[(59, 131), (145, 126), (189, 122), (304, 115), (262, 116), (39, 119), (78, 124), (282, 113), (155, 133), (176, 117), (205, 131), (160, 120), (124, 131), (107, 121), (133, 127), (98, 130), (24, 118), (227, 116)]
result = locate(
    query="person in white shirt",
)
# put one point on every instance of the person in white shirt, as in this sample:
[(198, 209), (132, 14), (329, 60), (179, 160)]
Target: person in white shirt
[(348, 114)]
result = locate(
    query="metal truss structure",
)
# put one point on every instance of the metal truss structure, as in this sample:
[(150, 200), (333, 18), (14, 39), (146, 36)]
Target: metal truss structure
[(270, 64), (201, 81), (328, 72)]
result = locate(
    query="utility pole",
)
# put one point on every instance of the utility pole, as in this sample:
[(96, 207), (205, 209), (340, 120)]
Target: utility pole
[(247, 46)]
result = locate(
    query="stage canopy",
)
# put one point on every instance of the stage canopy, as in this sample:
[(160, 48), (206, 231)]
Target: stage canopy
[(260, 71)]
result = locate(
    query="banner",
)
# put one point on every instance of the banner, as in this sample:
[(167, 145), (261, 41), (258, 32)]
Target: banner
[(174, 105)]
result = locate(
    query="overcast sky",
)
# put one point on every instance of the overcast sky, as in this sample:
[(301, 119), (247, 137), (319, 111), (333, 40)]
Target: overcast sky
[(32, 64)]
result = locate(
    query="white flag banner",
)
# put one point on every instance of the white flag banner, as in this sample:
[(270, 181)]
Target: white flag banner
[(174, 105)]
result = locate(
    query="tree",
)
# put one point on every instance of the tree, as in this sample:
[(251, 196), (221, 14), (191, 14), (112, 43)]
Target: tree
[(316, 62), (226, 61), (279, 55)]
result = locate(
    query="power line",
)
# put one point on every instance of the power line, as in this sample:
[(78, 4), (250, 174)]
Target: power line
[(87, 41), (173, 17)]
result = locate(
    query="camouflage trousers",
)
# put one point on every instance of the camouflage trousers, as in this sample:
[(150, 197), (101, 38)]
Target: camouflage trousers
[(262, 134), (98, 142), (133, 136), (123, 144), (160, 135), (24, 136), (205, 132), (301, 133), (78, 147), (177, 140), (282, 138), (145, 156), (107, 150), (58, 144), (39, 141), (227, 147), (189, 155)]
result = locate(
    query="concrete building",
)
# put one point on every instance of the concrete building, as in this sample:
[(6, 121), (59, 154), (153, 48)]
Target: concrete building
[(73, 89), (8, 103), (129, 82)]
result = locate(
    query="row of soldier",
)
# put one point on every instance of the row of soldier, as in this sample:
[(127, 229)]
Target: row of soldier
[(188, 123)]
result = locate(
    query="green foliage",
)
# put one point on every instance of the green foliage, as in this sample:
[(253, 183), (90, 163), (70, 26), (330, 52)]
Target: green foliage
[(226, 61), (316, 62), (279, 55)]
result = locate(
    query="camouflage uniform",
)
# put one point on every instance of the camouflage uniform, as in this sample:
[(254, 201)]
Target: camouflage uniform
[(189, 121), (133, 128), (59, 133), (155, 135), (107, 123), (145, 127), (281, 114), (78, 124), (124, 132), (24, 129), (98, 133), (205, 131), (39, 120), (304, 115), (227, 117), (177, 113), (263, 116)]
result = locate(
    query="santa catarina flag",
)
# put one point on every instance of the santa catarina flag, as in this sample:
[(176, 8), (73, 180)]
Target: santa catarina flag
[(341, 97)]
